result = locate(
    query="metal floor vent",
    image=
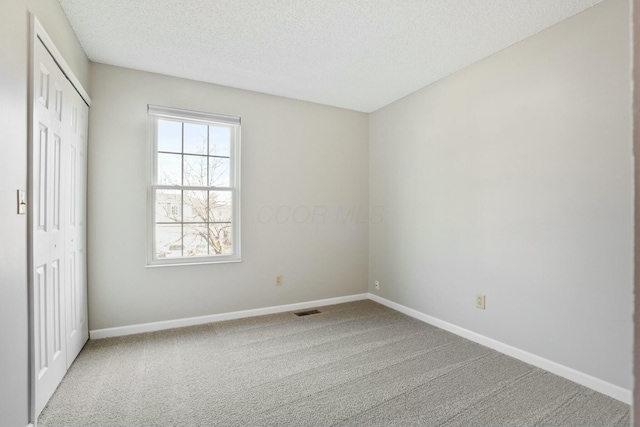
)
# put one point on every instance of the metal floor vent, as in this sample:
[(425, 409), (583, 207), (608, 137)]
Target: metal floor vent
[(306, 313)]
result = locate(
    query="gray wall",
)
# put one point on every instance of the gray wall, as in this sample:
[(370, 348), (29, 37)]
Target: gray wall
[(636, 150), (514, 178), (14, 48), (13, 228), (294, 155)]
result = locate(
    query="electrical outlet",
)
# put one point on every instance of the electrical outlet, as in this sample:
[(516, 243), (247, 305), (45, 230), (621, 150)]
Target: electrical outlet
[(279, 280), (377, 284), (480, 300)]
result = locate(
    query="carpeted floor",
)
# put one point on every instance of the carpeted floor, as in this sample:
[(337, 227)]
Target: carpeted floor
[(354, 364)]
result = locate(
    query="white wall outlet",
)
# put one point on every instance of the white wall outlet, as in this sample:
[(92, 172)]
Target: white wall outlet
[(480, 301), (377, 284), (279, 280)]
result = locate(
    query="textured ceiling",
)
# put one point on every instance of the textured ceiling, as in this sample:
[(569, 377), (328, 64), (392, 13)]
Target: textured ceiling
[(356, 54)]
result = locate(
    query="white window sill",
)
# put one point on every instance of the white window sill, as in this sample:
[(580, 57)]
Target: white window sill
[(181, 264)]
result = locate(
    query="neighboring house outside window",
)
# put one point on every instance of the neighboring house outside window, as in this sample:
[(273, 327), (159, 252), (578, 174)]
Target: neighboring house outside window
[(194, 192)]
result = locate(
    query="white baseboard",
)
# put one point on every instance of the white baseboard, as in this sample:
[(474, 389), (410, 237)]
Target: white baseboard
[(191, 321), (571, 374)]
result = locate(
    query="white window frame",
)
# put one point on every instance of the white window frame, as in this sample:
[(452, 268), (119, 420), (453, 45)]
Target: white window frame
[(188, 116)]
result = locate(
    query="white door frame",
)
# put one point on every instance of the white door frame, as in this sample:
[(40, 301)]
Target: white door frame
[(38, 32)]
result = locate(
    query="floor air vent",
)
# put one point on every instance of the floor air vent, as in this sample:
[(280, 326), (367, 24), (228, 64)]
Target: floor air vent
[(306, 313)]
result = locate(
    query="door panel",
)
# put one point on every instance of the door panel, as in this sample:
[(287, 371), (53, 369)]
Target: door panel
[(58, 291), (41, 319), (57, 148)]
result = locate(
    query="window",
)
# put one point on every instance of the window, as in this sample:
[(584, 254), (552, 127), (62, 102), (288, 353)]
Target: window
[(194, 190)]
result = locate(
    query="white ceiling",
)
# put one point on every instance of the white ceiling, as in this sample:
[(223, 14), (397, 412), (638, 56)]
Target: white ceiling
[(356, 54)]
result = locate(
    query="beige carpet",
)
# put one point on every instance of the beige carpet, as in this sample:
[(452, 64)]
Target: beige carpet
[(354, 364)]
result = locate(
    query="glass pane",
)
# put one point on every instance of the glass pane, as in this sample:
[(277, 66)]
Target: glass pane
[(220, 238), (195, 240), (195, 139), (169, 169), (195, 206), (220, 141), (168, 241), (219, 172), (220, 206), (169, 136), (195, 170), (168, 205)]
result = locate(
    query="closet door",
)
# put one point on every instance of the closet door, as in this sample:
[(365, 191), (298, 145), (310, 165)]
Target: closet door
[(76, 230), (58, 225), (48, 267)]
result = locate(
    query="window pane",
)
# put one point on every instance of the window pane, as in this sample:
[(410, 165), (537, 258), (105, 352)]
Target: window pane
[(169, 136), (220, 141), (220, 206), (168, 241), (195, 139), (219, 172), (169, 169), (195, 240), (168, 205), (195, 206), (195, 170)]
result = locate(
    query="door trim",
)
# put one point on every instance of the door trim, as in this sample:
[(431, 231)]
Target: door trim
[(37, 32)]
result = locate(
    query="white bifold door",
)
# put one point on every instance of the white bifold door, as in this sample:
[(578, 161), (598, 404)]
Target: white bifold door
[(58, 225)]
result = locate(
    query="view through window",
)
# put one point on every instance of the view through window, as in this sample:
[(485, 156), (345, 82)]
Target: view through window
[(194, 186)]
